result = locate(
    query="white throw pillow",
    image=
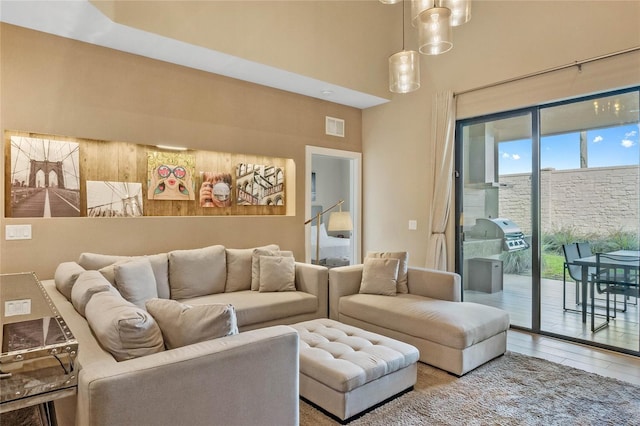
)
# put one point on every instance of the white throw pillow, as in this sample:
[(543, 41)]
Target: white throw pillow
[(183, 324), (88, 284), (255, 264), (403, 267), (197, 272), (135, 281), (239, 268), (277, 273), (121, 328), (65, 277), (379, 276)]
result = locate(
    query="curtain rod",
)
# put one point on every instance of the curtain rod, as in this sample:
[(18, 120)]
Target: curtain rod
[(558, 68)]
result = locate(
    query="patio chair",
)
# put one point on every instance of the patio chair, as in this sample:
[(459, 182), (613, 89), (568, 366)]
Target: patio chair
[(584, 249), (615, 275), (571, 253)]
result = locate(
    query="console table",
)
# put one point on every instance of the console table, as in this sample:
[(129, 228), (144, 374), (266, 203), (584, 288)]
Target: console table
[(38, 349)]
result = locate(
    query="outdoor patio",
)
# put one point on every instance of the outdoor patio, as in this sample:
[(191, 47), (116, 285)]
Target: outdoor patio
[(623, 331)]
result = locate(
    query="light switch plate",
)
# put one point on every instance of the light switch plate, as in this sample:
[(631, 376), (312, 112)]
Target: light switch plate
[(17, 232), (413, 225)]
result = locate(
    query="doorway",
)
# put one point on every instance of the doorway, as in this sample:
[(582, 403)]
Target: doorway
[(331, 176)]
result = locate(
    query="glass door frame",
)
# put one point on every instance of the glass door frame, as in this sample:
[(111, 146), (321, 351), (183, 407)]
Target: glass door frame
[(535, 200), (534, 111)]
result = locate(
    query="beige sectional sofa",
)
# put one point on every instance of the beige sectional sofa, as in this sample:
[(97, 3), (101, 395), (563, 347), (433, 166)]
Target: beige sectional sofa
[(450, 334), (239, 379)]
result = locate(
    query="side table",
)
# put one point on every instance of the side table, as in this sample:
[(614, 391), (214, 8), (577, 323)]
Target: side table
[(38, 349)]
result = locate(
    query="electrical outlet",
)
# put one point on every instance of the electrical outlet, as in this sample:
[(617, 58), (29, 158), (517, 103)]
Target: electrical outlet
[(413, 225), (17, 232)]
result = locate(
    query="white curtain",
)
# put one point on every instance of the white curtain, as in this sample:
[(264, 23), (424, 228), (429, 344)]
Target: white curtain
[(443, 135)]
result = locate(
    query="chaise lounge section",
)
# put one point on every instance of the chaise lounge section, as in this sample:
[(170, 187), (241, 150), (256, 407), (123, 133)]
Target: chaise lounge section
[(450, 334)]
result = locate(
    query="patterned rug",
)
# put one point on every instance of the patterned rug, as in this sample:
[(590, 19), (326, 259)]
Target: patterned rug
[(514, 389)]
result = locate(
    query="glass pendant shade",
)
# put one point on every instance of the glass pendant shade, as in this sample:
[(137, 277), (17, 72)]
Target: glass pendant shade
[(390, 1), (460, 10), (404, 71), (417, 7), (434, 31)]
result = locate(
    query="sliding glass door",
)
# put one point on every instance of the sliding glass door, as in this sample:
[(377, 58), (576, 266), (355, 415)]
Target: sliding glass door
[(532, 182), (495, 231)]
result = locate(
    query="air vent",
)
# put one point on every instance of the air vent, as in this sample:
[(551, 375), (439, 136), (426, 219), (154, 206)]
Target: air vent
[(334, 126)]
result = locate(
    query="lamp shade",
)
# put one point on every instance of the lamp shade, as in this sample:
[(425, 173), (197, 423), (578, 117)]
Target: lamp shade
[(340, 221), (404, 71), (434, 31), (460, 10)]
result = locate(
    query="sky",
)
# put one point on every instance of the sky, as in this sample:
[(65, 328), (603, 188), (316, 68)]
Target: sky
[(614, 146)]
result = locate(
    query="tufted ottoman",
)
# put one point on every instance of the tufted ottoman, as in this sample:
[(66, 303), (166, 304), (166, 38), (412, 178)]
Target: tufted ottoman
[(346, 370)]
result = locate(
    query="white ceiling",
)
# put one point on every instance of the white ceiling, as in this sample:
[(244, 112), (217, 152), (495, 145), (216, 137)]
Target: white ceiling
[(80, 20)]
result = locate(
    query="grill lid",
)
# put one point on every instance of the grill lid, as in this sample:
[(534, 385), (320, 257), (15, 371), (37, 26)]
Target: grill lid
[(510, 233)]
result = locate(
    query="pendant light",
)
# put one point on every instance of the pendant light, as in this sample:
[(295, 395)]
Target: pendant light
[(460, 10), (434, 31), (404, 68)]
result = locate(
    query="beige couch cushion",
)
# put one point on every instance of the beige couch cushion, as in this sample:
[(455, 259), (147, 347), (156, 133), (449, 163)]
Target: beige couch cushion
[(197, 272), (454, 324), (88, 284), (65, 277), (255, 264), (105, 263), (403, 267), (379, 276), (253, 307), (277, 273), (135, 281), (183, 324), (239, 268), (121, 328)]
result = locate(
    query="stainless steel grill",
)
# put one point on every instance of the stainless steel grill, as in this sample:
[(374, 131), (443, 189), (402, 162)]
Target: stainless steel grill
[(510, 233)]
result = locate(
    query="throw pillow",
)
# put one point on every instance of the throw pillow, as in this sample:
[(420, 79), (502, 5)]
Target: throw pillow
[(109, 271), (96, 261), (121, 328), (88, 284), (277, 273), (65, 277), (403, 257), (379, 276), (197, 272), (239, 268), (160, 266), (255, 264), (135, 281), (183, 324)]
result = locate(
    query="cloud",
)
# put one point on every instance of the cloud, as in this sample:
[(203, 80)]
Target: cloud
[(515, 156), (598, 139), (627, 143), (630, 134), (505, 155)]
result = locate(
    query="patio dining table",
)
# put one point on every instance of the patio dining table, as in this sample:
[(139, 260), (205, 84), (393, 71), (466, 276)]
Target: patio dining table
[(590, 262)]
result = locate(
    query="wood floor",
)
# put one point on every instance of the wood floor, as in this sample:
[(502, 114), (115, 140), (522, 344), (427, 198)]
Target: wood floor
[(623, 332), (588, 358)]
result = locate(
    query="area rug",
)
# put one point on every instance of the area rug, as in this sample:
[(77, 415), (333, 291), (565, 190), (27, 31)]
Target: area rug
[(513, 389)]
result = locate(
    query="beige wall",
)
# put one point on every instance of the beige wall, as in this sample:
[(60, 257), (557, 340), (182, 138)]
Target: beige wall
[(57, 86), (504, 39), (344, 42)]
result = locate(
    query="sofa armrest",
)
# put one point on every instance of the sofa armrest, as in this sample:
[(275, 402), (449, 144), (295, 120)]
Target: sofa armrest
[(435, 284), (343, 281), (314, 279), (248, 378)]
